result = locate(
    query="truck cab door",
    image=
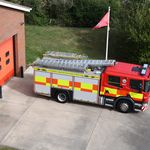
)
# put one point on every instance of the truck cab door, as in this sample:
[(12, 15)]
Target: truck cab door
[(110, 85), (136, 90)]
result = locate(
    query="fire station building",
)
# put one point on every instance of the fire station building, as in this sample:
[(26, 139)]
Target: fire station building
[(12, 41)]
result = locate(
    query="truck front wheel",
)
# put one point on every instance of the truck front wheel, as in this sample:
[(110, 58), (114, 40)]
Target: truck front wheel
[(62, 97), (124, 106)]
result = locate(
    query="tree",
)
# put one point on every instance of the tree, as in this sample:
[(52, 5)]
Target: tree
[(38, 15), (132, 24)]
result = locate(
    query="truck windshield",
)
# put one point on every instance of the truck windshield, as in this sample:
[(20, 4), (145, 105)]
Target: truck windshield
[(147, 86)]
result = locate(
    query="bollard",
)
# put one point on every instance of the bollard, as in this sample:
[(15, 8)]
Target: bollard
[(21, 72), (0, 91)]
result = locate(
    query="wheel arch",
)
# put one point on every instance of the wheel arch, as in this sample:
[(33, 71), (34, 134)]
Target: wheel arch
[(55, 91), (123, 98)]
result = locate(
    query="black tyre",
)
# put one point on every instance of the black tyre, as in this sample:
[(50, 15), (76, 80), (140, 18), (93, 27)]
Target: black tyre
[(124, 106), (62, 97)]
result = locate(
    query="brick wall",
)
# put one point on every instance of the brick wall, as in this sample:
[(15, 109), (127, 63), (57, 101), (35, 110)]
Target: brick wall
[(12, 23)]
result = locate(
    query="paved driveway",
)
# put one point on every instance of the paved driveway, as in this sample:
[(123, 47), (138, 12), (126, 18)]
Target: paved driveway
[(31, 122)]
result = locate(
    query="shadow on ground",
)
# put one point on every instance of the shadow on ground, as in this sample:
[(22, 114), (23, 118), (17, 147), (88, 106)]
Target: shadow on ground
[(23, 85)]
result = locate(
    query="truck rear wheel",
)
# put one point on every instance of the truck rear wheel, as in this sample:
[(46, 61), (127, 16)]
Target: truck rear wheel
[(62, 97), (124, 106)]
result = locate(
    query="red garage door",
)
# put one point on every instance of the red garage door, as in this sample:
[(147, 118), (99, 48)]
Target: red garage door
[(6, 61)]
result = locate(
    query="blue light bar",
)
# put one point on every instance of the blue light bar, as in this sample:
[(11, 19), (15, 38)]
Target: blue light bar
[(144, 69)]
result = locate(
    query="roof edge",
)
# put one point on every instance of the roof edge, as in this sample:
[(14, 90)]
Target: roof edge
[(15, 6)]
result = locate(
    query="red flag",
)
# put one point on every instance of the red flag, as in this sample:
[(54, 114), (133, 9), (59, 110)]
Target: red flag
[(104, 22)]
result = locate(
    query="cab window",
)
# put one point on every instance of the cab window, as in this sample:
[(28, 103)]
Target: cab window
[(147, 86), (114, 81), (136, 84)]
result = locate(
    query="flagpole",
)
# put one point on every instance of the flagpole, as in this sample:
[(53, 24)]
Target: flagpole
[(108, 29)]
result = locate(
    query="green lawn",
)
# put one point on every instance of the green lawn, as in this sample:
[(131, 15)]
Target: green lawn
[(79, 40), (6, 148)]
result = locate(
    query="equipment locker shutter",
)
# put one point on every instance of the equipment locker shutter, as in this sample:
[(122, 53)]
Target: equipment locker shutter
[(42, 83), (86, 89), (6, 61)]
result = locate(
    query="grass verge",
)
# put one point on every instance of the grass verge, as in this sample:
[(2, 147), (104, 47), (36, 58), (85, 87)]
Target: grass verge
[(6, 148), (79, 40)]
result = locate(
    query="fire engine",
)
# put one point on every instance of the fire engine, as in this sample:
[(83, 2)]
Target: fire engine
[(123, 86)]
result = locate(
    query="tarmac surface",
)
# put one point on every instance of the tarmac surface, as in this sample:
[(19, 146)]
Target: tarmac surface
[(32, 122)]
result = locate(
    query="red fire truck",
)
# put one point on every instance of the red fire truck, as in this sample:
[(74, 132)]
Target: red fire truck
[(123, 86)]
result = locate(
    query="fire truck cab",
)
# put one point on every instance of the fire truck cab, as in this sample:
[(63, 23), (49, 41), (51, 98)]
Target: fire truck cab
[(126, 86)]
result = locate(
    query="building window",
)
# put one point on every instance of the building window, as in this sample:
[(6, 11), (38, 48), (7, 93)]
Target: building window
[(136, 84), (7, 54), (114, 81), (7, 61)]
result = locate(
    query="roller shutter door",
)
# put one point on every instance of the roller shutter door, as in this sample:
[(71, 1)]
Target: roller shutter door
[(6, 61)]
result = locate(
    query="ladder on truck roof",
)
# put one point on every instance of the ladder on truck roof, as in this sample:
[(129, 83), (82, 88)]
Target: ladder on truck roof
[(72, 65)]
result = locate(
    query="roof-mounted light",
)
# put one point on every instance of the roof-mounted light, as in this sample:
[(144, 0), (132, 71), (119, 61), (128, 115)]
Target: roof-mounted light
[(144, 69)]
